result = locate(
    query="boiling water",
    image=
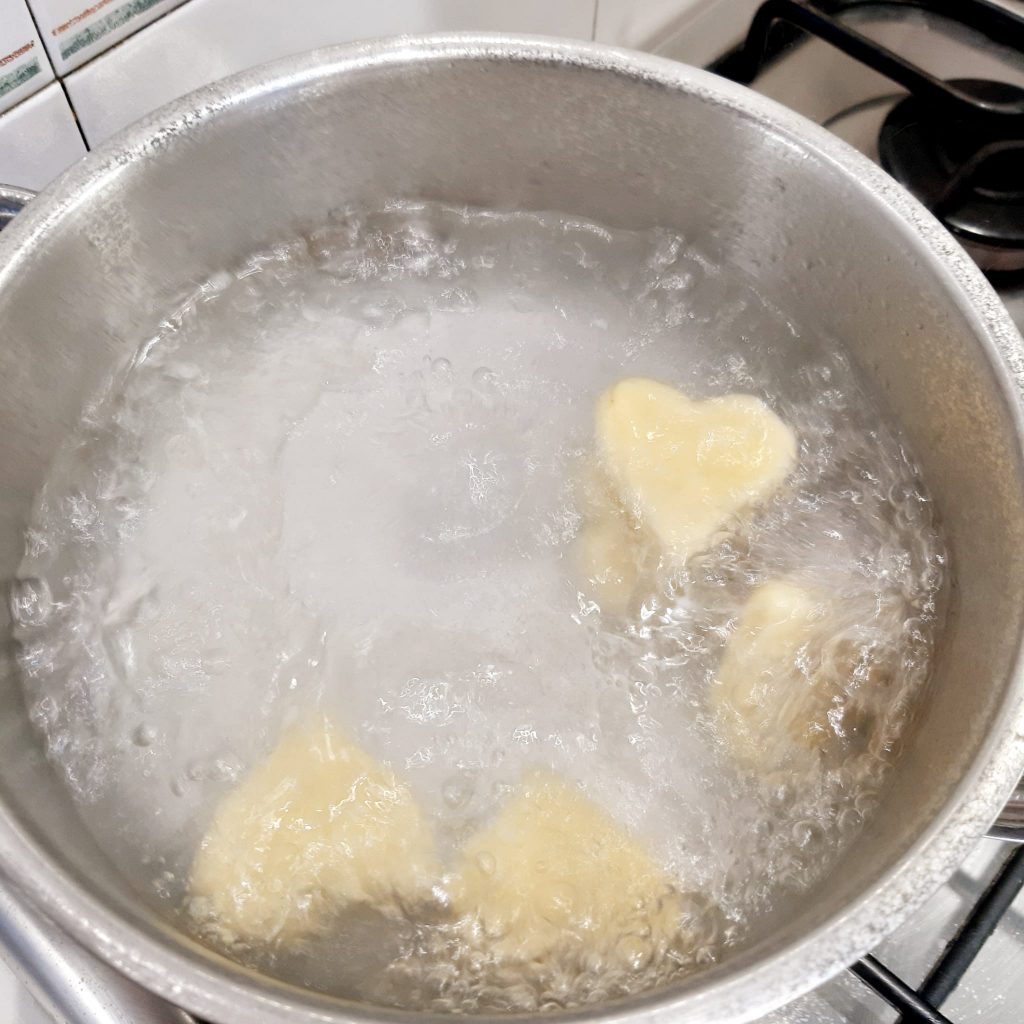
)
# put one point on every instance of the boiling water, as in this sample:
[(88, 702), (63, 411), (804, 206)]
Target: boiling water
[(346, 476)]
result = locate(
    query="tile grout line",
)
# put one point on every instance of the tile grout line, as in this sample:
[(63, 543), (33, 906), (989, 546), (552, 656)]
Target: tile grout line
[(58, 78)]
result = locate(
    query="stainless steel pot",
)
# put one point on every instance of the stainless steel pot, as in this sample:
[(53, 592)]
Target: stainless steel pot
[(629, 140)]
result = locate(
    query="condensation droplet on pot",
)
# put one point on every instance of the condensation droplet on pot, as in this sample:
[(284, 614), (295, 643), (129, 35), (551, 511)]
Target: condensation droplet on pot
[(441, 370), (165, 884), (321, 300), (806, 833)]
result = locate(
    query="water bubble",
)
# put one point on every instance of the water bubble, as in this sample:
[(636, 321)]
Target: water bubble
[(457, 300), (144, 735), (457, 790), (44, 712), (30, 601)]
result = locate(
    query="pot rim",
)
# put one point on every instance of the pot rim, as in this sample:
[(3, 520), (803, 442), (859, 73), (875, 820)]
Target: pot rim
[(165, 961)]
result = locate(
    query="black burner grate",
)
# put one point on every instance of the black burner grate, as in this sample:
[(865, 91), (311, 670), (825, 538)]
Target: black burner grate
[(996, 127), (922, 1006), (957, 144)]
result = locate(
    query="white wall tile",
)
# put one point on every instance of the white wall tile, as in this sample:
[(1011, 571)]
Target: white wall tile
[(208, 39), (24, 66), (38, 139), (639, 24), (8, 994), (16, 1005), (75, 30), (708, 31), (693, 31)]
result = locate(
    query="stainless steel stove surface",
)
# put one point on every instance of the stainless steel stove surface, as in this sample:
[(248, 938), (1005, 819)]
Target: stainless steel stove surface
[(852, 100)]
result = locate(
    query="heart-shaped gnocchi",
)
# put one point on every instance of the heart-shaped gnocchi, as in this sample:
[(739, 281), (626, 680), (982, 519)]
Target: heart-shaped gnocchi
[(319, 826), (681, 467), (771, 694), (554, 880)]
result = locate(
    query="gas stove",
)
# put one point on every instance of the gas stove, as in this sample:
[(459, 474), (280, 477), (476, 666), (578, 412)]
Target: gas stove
[(905, 85), (933, 90), (938, 100)]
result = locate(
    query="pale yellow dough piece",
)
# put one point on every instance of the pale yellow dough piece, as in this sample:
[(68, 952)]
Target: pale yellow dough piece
[(553, 876), (683, 467), (318, 826), (771, 694), (608, 555), (611, 549)]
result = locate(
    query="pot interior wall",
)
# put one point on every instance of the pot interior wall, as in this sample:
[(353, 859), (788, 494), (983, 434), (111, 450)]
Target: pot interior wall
[(84, 282)]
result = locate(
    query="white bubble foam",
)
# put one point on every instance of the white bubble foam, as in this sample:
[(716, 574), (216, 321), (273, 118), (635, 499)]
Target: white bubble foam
[(346, 476)]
